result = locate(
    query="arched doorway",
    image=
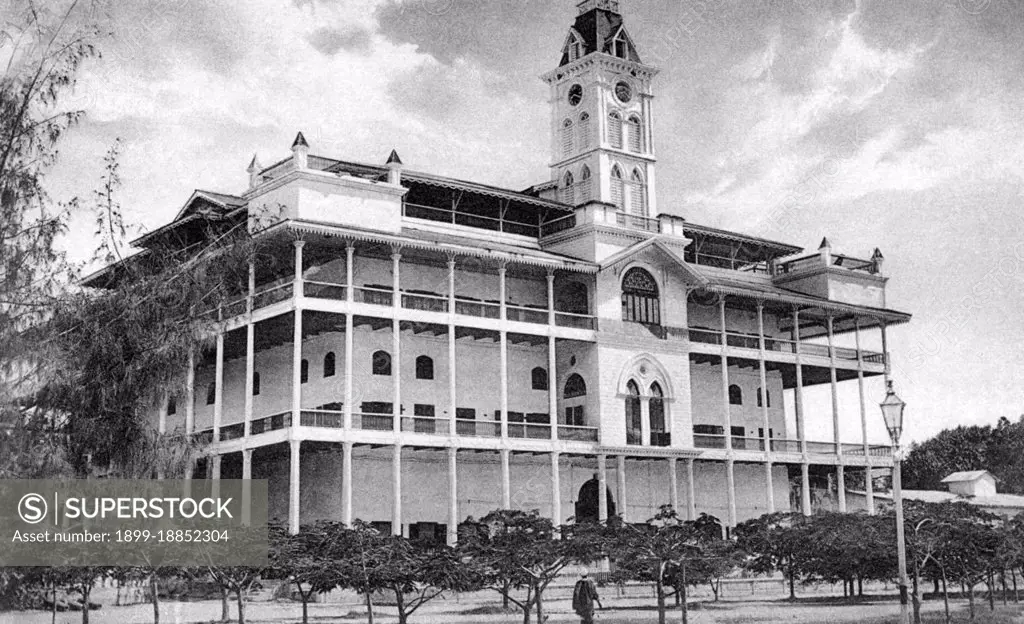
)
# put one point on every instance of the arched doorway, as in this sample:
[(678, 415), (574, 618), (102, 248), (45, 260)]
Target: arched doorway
[(588, 501)]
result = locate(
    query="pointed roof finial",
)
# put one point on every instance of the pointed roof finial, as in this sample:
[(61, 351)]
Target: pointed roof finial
[(300, 141), (393, 159), (254, 165), (825, 244), (877, 255)]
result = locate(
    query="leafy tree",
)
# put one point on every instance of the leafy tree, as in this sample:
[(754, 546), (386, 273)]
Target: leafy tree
[(417, 573), (849, 548), (356, 556), (301, 559), (232, 579), (999, 449), (521, 551), (777, 542), (670, 552)]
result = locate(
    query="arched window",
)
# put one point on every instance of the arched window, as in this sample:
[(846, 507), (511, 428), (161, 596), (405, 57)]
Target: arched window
[(381, 363), (584, 184), (329, 365), (539, 378), (211, 393), (574, 387), (304, 371), (172, 406), (657, 408), (640, 302), (584, 131), (255, 383), (618, 187), (767, 395), (638, 195), (615, 129), (567, 138), (424, 367), (735, 395), (636, 142), (575, 47), (633, 417), (568, 192), (620, 47)]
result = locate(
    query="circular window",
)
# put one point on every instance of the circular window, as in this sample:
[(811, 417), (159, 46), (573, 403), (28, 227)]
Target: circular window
[(624, 92), (575, 95)]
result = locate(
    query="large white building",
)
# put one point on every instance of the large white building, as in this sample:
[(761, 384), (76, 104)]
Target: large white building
[(428, 348)]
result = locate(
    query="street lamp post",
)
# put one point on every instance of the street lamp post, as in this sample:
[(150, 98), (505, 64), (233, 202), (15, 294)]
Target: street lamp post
[(892, 412)]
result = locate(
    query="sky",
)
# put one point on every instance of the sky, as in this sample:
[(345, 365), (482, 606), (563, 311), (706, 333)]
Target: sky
[(883, 124)]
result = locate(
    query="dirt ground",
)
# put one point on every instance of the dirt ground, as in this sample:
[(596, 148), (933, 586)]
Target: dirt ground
[(810, 611)]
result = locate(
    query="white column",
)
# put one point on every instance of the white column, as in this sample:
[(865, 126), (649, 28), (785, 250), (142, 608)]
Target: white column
[(503, 354), (346, 484), (805, 488), (552, 388), (673, 484), (841, 487), (869, 489), (556, 491), (250, 372), (829, 326), (506, 481), (452, 365), (691, 492), (214, 475), (769, 486), (161, 426), (218, 401), (349, 332), (453, 497), (885, 352), (190, 392), (621, 476), (551, 297), (396, 346), (765, 418), (246, 486), (726, 411), (798, 394), (250, 352), (602, 488), (294, 486), (297, 338), (396, 491), (730, 484)]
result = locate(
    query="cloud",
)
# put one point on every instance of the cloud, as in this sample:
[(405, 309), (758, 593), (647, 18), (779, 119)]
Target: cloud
[(330, 41)]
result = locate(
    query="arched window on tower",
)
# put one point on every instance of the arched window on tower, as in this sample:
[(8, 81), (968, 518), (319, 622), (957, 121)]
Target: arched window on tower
[(329, 365), (633, 416), (618, 187), (615, 129), (575, 47), (638, 194), (636, 137), (568, 192), (584, 130), (567, 137), (659, 434), (584, 184), (735, 395), (640, 302), (620, 47)]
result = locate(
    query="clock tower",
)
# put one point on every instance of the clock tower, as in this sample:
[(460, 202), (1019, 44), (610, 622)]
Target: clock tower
[(602, 142)]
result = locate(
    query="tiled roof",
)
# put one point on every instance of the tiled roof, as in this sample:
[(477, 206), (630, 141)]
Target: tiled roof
[(598, 28)]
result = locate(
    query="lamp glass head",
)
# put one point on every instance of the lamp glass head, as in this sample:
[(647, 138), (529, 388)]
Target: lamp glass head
[(892, 412)]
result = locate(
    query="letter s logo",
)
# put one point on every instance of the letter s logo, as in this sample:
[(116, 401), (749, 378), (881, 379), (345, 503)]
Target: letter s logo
[(32, 508)]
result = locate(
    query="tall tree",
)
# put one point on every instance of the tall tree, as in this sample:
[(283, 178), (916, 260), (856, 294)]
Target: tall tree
[(998, 449), (777, 542)]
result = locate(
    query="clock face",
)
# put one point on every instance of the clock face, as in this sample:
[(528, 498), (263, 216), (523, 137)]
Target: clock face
[(575, 94), (624, 92)]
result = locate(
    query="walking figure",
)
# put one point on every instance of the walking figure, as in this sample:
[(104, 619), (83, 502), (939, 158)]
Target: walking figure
[(584, 595)]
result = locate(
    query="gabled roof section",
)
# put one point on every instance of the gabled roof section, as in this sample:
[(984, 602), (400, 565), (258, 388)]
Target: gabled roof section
[(655, 243), (970, 475), (220, 202), (598, 28)]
